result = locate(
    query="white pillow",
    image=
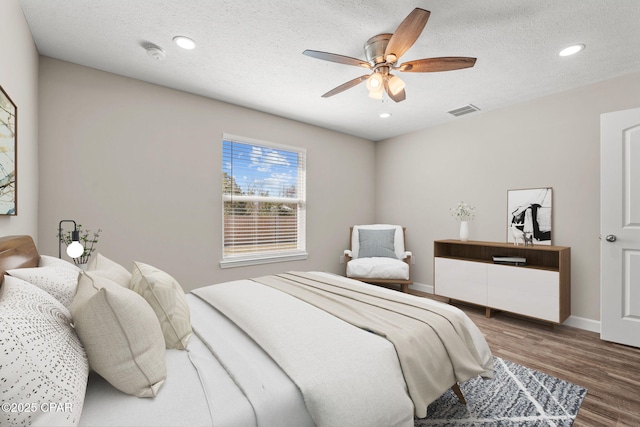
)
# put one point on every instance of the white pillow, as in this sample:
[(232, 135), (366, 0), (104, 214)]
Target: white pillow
[(50, 261), (165, 295), (42, 362), (121, 335), (60, 281), (103, 266)]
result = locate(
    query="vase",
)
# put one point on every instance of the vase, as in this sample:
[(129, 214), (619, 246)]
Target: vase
[(464, 231)]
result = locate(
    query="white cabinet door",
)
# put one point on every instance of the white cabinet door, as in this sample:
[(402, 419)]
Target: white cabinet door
[(461, 280), (526, 291)]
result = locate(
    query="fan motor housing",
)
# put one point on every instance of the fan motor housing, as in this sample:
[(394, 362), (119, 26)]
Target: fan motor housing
[(374, 48)]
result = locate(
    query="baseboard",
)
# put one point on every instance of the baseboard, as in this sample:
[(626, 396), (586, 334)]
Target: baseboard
[(573, 321), (583, 323)]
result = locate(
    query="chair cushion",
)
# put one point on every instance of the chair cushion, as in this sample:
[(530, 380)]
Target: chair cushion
[(376, 243), (378, 268), (398, 242)]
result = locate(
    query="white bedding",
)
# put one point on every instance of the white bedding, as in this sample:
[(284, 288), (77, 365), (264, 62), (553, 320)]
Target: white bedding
[(223, 379), (226, 379)]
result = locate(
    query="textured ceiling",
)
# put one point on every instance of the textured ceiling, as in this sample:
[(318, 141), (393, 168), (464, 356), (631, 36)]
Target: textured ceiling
[(249, 53)]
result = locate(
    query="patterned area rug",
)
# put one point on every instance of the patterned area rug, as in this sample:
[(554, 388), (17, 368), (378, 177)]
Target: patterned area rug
[(517, 396)]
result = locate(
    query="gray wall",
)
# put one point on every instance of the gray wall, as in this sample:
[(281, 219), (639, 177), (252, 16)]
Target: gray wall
[(19, 78), (549, 142), (143, 163)]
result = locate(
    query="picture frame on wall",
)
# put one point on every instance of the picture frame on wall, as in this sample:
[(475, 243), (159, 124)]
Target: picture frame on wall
[(529, 214), (8, 155)]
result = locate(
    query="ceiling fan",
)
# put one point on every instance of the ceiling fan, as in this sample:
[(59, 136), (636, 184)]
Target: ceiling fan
[(382, 53)]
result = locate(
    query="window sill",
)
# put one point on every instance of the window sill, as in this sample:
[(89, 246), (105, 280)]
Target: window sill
[(256, 260)]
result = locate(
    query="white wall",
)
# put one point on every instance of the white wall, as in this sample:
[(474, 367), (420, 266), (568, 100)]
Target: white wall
[(549, 142), (143, 163), (19, 78)]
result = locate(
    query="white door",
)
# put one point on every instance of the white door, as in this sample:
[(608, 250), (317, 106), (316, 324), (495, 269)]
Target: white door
[(620, 226)]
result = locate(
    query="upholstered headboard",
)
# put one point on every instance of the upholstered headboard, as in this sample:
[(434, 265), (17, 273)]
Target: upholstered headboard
[(17, 252)]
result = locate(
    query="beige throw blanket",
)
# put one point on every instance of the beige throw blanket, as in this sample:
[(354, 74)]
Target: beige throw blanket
[(433, 345), (347, 376)]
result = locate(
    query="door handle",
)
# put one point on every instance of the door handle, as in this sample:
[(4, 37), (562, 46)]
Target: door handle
[(611, 238)]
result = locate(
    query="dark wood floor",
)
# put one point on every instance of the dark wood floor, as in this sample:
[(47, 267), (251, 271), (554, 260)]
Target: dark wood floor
[(610, 372)]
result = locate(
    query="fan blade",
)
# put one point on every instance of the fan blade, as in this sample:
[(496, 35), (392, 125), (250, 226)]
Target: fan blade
[(400, 96), (340, 59), (407, 33), (345, 86), (445, 63)]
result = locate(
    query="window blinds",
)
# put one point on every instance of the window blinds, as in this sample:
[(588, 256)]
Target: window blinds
[(264, 199)]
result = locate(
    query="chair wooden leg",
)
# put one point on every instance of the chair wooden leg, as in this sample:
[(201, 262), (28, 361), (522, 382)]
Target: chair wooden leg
[(458, 392)]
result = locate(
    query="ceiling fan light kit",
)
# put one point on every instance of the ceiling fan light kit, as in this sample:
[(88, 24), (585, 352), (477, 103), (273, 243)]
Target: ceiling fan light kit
[(383, 52)]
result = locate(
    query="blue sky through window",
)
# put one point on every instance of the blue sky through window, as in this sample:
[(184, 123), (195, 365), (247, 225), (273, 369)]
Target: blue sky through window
[(260, 170)]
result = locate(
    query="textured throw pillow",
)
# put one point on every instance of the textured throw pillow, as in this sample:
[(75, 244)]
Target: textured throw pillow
[(102, 266), (50, 261), (376, 243), (121, 335), (43, 366), (60, 281), (165, 295)]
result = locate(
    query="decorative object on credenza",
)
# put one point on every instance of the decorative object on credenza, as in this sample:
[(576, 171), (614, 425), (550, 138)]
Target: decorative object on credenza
[(8, 160), (464, 213), (85, 239), (529, 216)]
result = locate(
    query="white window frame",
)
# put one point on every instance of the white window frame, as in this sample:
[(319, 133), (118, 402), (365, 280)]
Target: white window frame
[(255, 258)]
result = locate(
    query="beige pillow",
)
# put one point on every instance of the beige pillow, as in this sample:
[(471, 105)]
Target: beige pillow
[(165, 295), (121, 335), (102, 266)]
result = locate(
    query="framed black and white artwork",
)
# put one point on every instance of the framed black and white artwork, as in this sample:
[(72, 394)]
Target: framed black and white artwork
[(8, 161), (529, 216)]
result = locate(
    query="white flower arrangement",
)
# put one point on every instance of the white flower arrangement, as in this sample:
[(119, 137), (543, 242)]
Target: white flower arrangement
[(463, 212)]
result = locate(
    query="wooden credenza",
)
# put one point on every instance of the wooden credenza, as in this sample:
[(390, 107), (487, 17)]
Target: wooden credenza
[(541, 289)]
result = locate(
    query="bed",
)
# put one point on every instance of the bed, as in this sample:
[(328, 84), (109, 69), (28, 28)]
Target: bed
[(294, 349)]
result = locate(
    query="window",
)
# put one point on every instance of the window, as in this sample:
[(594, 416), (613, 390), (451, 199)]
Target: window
[(263, 194)]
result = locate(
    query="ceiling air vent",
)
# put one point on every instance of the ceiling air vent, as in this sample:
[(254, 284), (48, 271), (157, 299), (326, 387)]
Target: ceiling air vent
[(469, 108)]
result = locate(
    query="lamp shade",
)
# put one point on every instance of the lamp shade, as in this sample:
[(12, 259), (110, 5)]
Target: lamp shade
[(395, 84), (374, 82), (376, 93)]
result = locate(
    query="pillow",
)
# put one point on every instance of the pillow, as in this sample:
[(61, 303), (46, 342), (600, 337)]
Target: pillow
[(104, 267), (165, 295), (60, 281), (376, 243), (42, 361), (121, 335), (50, 261)]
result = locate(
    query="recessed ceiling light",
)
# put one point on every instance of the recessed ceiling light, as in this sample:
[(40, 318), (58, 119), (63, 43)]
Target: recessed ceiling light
[(385, 115), (184, 42), (571, 50)]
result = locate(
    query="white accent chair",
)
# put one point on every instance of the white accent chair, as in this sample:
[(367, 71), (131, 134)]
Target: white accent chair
[(378, 255)]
